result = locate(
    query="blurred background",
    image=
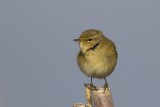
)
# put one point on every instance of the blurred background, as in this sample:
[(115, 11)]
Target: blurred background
[(38, 65)]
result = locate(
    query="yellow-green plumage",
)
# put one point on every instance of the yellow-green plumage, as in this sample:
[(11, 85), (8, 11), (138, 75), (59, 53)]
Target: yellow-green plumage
[(97, 57)]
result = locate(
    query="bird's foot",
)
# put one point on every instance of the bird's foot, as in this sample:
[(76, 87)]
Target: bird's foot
[(105, 86), (93, 87)]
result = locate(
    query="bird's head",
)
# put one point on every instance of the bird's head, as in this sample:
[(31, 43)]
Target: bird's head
[(89, 39)]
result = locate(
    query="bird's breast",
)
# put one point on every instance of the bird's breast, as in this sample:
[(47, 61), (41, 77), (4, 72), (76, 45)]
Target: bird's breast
[(95, 65)]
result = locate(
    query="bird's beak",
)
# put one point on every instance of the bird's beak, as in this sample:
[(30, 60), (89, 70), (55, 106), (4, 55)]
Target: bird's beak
[(77, 40)]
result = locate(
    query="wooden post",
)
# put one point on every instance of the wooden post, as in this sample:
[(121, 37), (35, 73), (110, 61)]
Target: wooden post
[(100, 96), (81, 105), (88, 94)]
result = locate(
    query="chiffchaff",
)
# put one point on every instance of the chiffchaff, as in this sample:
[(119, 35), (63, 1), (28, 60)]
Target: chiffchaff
[(97, 57)]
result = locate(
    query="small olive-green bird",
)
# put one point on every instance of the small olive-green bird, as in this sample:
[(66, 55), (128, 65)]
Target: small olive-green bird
[(97, 57)]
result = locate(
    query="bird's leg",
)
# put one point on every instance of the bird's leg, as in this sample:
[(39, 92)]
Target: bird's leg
[(106, 83), (92, 86), (91, 79)]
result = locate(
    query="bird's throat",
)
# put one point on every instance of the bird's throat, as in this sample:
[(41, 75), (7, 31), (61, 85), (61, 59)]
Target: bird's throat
[(94, 47)]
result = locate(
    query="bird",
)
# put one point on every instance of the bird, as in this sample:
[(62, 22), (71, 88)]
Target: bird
[(97, 57)]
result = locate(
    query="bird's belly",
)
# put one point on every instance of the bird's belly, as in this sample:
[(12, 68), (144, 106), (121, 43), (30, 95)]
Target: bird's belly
[(96, 67)]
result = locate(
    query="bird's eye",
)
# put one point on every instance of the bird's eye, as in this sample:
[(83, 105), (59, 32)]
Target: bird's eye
[(89, 39)]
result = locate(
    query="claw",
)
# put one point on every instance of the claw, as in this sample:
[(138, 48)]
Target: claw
[(92, 86), (105, 86)]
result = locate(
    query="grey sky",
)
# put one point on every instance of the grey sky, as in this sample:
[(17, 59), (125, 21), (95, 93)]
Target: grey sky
[(38, 56)]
